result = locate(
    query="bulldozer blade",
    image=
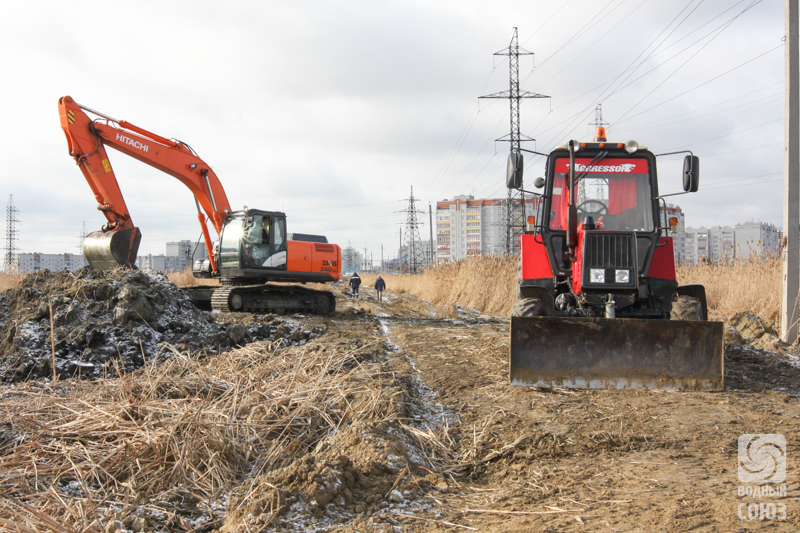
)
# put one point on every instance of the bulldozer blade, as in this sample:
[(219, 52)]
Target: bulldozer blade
[(105, 251), (616, 353)]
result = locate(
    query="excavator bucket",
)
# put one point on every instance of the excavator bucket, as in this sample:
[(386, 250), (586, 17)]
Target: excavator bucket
[(105, 251), (616, 353)]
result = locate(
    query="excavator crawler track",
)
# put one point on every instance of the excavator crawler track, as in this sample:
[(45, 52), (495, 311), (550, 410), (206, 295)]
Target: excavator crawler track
[(272, 299)]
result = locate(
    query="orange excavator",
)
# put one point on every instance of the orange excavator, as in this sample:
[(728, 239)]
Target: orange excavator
[(251, 249)]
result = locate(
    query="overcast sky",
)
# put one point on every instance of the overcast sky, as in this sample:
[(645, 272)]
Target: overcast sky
[(333, 111)]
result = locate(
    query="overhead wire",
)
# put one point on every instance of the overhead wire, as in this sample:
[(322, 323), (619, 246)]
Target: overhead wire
[(586, 111), (718, 33), (702, 84)]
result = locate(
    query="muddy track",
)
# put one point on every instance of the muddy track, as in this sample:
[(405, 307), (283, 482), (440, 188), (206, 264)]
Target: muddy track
[(422, 432), (525, 459)]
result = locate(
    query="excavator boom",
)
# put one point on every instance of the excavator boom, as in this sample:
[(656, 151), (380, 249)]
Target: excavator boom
[(118, 242)]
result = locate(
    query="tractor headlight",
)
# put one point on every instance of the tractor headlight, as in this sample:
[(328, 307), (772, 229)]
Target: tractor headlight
[(623, 276), (597, 275), (631, 146)]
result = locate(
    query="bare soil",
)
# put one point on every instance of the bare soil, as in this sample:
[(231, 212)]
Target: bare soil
[(500, 458), (453, 446)]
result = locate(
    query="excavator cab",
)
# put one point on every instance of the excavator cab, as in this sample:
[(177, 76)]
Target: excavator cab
[(253, 239)]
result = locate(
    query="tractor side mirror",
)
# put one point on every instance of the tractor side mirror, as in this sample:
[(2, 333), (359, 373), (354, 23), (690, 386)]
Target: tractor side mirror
[(691, 173), (538, 182), (514, 171)]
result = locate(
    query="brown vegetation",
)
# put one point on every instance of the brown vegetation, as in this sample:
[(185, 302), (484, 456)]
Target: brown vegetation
[(489, 283), (10, 279), (187, 279), (739, 286), (175, 433)]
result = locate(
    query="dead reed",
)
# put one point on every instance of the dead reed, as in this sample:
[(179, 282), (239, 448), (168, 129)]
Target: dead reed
[(187, 279), (10, 279), (489, 284), (753, 285), (188, 429)]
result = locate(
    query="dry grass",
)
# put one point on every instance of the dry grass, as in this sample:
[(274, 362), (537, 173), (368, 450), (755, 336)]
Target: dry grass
[(77, 455), (187, 279), (10, 279), (739, 286), (489, 284)]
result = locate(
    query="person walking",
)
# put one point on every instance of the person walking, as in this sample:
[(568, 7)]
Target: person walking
[(355, 282), (380, 285)]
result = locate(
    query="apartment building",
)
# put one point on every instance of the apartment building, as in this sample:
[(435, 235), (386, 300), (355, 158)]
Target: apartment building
[(54, 262), (726, 243), (467, 226)]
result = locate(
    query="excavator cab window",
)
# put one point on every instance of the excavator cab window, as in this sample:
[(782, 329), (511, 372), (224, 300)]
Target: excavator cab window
[(264, 242)]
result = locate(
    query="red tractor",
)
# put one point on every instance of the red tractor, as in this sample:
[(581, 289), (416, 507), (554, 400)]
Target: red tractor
[(599, 305)]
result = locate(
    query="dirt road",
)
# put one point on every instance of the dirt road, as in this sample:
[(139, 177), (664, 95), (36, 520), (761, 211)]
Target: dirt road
[(502, 458), (393, 416)]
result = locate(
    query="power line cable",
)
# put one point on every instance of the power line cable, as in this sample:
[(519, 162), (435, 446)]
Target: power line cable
[(702, 84), (726, 26)]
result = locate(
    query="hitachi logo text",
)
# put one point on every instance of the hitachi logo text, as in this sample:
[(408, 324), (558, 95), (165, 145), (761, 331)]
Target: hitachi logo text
[(133, 142), (625, 167)]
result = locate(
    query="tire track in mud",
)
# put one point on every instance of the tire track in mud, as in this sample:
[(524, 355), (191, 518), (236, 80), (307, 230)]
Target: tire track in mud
[(618, 460)]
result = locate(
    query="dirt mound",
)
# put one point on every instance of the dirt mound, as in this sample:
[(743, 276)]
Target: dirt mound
[(104, 323)]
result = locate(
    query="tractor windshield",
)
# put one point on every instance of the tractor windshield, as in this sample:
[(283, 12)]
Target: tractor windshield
[(614, 192)]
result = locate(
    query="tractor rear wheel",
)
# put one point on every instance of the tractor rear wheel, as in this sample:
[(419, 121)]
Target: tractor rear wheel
[(687, 308), (529, 307)]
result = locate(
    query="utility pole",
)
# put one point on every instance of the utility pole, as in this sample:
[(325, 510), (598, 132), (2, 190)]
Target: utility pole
[(416, 254), (400, 252), (382, 266), (82, 237), (11, 235), (791, 180), (433, 247), (515, 204)]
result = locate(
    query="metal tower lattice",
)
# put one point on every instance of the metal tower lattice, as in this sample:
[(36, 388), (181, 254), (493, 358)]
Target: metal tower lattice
[(82, 237), (515, 204), (413, 250), (598, 117), (10, 262), (601, 185)]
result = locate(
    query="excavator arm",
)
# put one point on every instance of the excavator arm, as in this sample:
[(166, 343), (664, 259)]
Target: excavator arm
[(118, 242)]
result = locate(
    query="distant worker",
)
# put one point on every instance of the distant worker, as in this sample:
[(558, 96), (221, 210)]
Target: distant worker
[(380, 285), (355, 281)]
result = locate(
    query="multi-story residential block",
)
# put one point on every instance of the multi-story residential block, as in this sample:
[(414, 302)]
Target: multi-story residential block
[(466, 226), (679, 235), (757, 238), (725, 243), (351, 260), (54, 262)]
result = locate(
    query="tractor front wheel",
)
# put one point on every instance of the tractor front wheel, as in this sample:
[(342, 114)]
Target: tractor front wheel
[(687, 308), (529, 307)]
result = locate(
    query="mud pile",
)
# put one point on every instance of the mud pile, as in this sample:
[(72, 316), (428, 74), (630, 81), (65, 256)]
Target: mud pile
[(105, 323)]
